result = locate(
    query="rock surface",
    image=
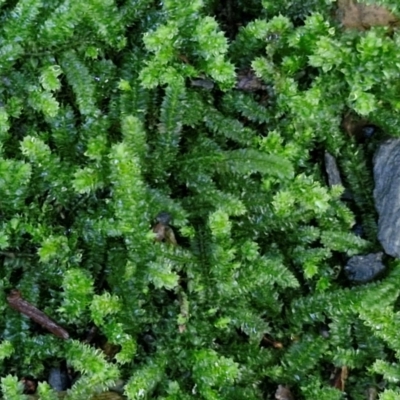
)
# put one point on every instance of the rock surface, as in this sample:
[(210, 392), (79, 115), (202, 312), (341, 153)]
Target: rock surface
[(332, 170), (59, 379), (387, 195), (362, 269)]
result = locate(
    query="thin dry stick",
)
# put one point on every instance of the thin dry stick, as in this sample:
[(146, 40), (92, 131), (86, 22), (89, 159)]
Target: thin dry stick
[(18, 303)]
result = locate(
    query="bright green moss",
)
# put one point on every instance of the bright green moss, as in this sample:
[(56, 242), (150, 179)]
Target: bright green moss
[(102, 128)]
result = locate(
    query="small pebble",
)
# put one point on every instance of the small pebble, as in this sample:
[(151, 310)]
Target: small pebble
[(59, 380), (362, 269), (163, 218)]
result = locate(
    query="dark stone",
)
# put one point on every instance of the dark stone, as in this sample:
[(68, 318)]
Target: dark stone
[(362, 269), (59, 379), (249, 82), (202, 83), (387, 195), (163, 218), (368, 131), (358, 230), (324, 332), (332, 170)]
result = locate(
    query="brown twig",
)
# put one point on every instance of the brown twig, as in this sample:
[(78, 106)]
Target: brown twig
[(276, 345), (338, 378), (24, 307)]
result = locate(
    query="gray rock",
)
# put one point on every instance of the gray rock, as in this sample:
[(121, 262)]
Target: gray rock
[(387, 195), (332, 170), (362, 269), (203, 83), (163, 218), (59, 379)]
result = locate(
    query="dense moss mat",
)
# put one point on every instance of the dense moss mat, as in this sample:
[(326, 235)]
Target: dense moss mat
[(217, 113)]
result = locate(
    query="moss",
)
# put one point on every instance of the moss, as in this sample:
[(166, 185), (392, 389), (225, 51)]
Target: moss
[(102, 129)]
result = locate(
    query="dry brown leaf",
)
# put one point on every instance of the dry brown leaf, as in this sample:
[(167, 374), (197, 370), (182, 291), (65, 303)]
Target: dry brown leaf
[(283, 393), (273, 343), (164, 233), (338, 378), (110, 349), (30, 385), (352, 124), (247, 81), (354, 15)]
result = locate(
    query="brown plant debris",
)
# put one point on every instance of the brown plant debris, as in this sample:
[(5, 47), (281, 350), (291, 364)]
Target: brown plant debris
[(163, 232), (270, 342), (247, 81), (283, 393), (110, 350), (353, 125), (354, 15), (338, 378), (30, 384), (16, 302)]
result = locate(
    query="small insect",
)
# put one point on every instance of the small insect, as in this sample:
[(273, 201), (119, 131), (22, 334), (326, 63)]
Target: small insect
[(162, 230), (16, 302)]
